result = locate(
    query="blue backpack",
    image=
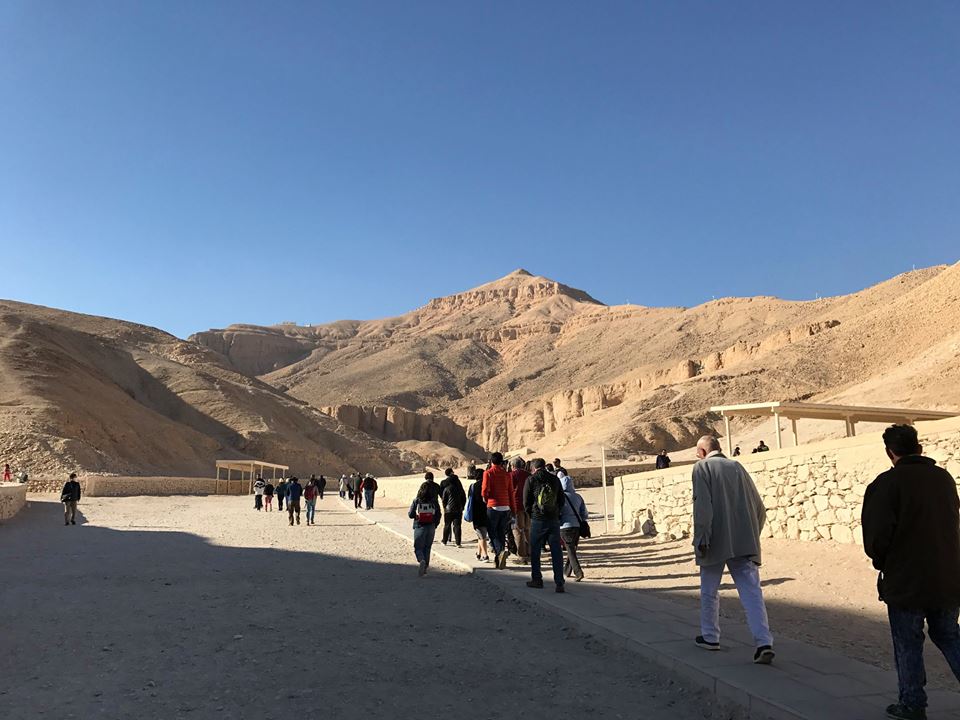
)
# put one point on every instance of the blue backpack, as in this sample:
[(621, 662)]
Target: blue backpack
[(468, 510)]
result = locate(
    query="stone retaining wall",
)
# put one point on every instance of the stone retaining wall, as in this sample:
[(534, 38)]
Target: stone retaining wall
[(96, 486), (813, 492), (13, 497)]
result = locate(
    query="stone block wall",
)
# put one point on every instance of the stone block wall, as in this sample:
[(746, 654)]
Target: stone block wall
[(13, 498), (97, 486), (814, 492)]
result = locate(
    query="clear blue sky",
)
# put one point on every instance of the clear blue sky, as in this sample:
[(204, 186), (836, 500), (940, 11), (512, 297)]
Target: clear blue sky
[(193, 164)]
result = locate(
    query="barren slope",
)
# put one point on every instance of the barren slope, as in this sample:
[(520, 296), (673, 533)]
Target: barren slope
[(527, 361), (100, 395)]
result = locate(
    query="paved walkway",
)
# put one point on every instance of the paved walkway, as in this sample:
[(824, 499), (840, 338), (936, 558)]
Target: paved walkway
[(805, 682)]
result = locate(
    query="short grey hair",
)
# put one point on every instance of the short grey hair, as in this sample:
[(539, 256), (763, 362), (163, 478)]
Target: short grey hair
[(708, 443)]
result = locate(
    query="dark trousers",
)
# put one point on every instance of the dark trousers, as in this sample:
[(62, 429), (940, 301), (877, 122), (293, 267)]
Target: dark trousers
[(321, 493), (257, 502), (452, 521), (906, 626), (571, 538), (293, 506), (357, 498), (280, 503), (498, 522), (546, 531)]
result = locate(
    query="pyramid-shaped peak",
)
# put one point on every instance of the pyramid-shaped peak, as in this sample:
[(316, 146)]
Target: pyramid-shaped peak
[(520, 272), (519, 285)]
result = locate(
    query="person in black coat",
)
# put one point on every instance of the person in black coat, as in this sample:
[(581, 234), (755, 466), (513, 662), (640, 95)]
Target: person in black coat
[(453, 498), (911, 532), (70, 496)]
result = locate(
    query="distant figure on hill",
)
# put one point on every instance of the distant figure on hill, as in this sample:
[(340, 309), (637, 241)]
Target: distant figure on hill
[(663, 460), (425, 513), (573, 526), (294, 491), (259, 486), (476, 512), (911, 531), (762, 447), (369, 491), (497, 491), (728, 515), (521, 520), (6, 473), (736, 451), (268, 497), (70, 496), (310, 493), (543, 500), (452, 498), (321, 485), (281, 493)]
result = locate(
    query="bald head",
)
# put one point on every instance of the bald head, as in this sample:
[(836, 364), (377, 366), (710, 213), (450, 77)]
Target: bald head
[(706, 445)]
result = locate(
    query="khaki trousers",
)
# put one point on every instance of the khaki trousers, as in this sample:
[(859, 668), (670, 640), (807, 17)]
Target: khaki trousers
[(69, 511), (521, 533)]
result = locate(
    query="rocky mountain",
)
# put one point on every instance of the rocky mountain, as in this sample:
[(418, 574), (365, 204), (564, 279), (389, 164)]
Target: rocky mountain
[(527, 361), (87, 393)]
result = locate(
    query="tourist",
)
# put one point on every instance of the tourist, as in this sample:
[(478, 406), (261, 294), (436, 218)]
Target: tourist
[(663, 460), (762, 447), (294, 491), (70, 496), (268, 497), (736, 451), (521, 520), (728, 515), (573, 514), (310, 493), (321, 485), (6, 473), (258, 488), (357, 490), (369, 490), (910, 518), (425, 513), (452, 498), (476, 512), (281, 493), (343, 486), (497, 491), (559, 468), (543, 500)]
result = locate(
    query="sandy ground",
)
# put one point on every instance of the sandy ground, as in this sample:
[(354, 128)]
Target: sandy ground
[(202, 608)]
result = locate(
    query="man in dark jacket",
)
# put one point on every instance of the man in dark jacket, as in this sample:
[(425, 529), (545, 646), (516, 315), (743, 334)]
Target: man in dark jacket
[(70, 496), (542, 500), (294, 491), (453, 498), (281, 493), (911, 531)]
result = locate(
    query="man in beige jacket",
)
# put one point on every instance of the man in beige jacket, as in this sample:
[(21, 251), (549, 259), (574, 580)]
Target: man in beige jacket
[(728, 515)]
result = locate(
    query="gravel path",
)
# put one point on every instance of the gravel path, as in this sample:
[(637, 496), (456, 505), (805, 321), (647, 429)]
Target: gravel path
[(201, 608)]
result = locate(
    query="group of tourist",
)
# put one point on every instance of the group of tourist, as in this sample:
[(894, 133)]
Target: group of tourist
[(514, 512), (290, 492), (360, 489)]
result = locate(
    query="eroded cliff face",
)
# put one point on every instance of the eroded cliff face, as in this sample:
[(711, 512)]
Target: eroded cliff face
[(398, 424), (255, 351)]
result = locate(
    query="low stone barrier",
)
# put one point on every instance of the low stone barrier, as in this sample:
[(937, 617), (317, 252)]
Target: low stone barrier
[(813, 492), (13, 498), (99, 486)]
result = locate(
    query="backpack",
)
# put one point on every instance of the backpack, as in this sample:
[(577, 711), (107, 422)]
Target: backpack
[(468, 510), (425, 512), (546, 500)]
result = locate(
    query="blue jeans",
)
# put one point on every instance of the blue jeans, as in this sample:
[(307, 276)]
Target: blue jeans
[(906, 626), (311, 510), (548, 530), (368, 498), (498, 522), (423, 542)]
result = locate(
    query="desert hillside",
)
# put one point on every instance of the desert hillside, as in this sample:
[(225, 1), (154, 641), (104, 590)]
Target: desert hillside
[(100, 395), (527, 361)]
